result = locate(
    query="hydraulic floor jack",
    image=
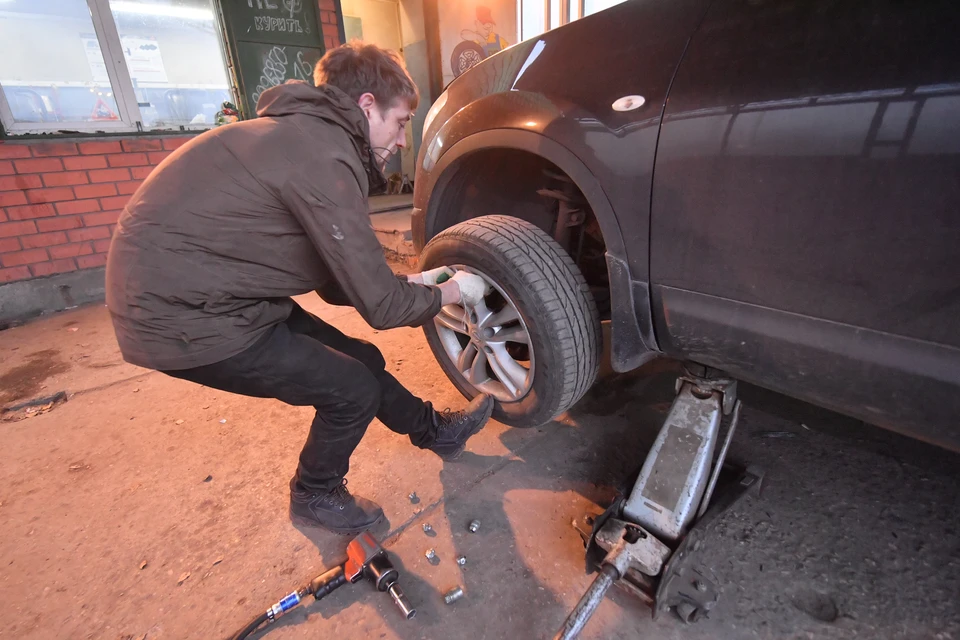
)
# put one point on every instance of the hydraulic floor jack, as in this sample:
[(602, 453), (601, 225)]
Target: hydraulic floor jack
[(647, 541)]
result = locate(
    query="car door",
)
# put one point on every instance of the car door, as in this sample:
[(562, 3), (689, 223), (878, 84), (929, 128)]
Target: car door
[(805, 228)]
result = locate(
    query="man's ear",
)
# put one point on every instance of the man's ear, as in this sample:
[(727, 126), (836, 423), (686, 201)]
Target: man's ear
[(367, 101)]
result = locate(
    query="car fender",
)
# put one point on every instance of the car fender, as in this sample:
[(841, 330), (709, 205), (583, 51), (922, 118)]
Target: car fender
[(632, 339)]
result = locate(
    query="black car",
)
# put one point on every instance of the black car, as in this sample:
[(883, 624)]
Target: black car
[(768, 188)]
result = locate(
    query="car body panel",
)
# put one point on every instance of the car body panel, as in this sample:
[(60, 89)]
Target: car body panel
[(538, 87), (805, 187), (811, 178)]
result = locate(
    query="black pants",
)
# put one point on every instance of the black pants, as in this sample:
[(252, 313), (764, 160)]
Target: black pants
[(304, 361)]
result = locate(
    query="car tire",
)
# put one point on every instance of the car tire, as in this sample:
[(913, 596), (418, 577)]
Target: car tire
[(465, 56), (534, 274)]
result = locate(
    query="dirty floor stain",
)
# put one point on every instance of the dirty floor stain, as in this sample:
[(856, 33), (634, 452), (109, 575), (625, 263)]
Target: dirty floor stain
[(24, 381)]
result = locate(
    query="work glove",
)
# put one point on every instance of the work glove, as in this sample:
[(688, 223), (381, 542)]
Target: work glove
[(472, 288), (430, 277)]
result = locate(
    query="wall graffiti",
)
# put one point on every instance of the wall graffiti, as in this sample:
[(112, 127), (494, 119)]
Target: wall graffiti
[(293, 6), (288, 19), (471, 32), (302, 69), (269, 23), (277, 68)]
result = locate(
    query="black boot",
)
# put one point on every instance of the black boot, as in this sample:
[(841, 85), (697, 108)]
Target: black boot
[(337, 511), (455, 427)]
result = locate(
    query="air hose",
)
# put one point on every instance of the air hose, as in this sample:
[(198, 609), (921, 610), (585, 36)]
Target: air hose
[(320, 587)]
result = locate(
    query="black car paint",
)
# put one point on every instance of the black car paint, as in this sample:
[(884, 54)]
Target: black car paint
[(806, 213), (537, 92), (799, 239)]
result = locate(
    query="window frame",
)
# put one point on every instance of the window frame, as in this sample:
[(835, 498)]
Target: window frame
[(567, 11), (128, 107)]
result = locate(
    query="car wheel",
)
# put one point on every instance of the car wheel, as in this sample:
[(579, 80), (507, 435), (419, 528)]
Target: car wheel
[(534, 342), (466, 55)]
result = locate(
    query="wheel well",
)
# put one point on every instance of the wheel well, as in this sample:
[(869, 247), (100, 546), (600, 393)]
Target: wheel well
[(521, 184)]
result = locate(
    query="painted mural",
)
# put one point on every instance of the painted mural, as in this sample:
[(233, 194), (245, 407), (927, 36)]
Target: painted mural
[(472, 32)]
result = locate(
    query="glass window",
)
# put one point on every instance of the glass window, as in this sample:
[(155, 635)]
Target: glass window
[(592, 6), (42, 83), (174, 58), (555, 14), (531, 18), (120, 65)]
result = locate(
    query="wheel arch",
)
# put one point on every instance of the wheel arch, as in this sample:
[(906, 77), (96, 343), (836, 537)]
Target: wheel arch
[(536, 144), (631, 346)]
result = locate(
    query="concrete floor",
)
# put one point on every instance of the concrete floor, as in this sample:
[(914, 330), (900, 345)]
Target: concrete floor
[(148, 507)]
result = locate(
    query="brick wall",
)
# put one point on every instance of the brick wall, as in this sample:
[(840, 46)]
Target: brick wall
[(59, 201), (328, 20)]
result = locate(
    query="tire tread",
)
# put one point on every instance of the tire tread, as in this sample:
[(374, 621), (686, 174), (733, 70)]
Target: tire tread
[(550, 274)]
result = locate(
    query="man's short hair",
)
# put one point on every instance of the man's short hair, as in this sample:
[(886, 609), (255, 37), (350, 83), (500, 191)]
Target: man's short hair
[(357, 68)]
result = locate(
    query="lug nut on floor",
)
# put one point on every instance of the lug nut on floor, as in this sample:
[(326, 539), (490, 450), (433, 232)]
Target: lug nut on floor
[(453, 595)]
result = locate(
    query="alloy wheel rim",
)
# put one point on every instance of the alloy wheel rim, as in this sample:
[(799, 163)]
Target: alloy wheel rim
[(489, 344)]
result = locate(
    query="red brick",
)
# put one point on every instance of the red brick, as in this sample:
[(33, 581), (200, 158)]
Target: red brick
[(11, 229), (71, 250), (13, 183), (97, 219), (65, 179), (175, 143), (19, 183), (127, 159), (18, 258), (45, 149), (331, 30), (139, 173), (6, 168), (52, 267), (328, 5), (101, 246), (128, 187), (118, 202), (331, 43), (85, 162), (110, 175), (17, 273), (31, 211), (77, 206), (60, 223), (95, 191), (38, 165), (142, 144), (96, 260), (93, 233), (9, 244), (8, 151), (328, 17), (156, 157), (57, 194), (92, 148), (3, 216), (12, 198), (43, 240)]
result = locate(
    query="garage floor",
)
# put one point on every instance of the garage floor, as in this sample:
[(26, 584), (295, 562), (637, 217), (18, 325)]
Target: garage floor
[(148, 507)]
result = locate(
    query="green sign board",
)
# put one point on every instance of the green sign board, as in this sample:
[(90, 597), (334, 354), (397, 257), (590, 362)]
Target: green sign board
[(271, 41), (267, 65), (274, 21)]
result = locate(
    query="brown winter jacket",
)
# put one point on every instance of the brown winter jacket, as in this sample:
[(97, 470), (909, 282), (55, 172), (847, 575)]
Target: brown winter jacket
[(222, 232)]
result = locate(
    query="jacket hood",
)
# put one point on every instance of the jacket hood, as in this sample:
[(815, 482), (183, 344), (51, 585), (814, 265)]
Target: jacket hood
[(330, 104)]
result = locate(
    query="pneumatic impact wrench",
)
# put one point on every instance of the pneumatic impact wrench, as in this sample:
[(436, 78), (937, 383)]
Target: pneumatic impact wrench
[(365, 558)]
